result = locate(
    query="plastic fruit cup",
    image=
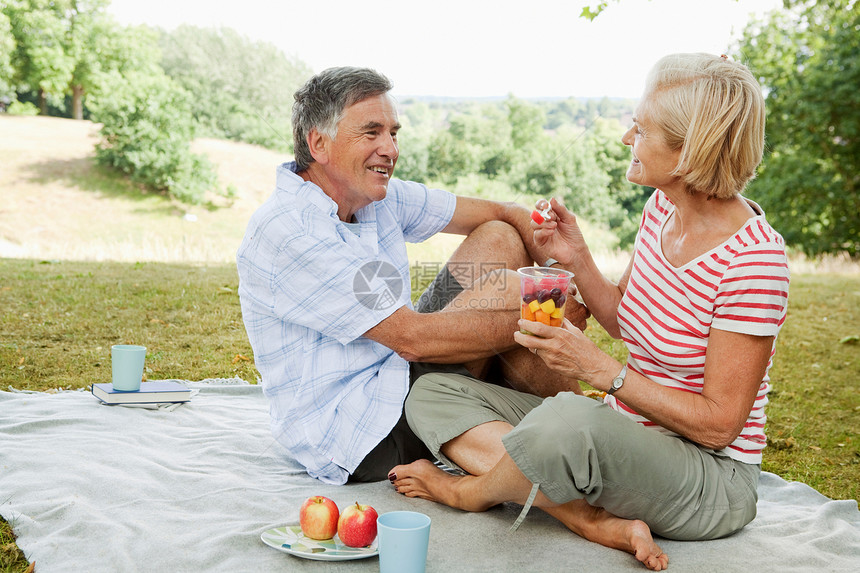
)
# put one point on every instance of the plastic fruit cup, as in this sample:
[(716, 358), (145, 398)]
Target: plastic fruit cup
[(544, 294)]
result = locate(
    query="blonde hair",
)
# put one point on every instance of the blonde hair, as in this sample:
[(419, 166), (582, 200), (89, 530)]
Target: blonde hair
[(712, 109)]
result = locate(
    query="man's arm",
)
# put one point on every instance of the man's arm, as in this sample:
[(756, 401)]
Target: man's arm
[(481, 321), (471, 213), (447, 336)]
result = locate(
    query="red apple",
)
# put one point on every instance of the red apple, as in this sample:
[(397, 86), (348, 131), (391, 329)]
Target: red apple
[(357, 525), (318, 517)]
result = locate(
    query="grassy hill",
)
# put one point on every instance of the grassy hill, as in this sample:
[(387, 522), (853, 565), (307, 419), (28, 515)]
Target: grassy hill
[(56, 204)]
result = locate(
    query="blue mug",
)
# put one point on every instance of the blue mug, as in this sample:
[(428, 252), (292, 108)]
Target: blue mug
[(127, 366), (403, 540)]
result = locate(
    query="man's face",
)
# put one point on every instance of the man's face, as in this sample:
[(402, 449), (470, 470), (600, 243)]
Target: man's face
[(363, 153)]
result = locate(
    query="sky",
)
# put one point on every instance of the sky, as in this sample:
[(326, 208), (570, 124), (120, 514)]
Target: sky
[(473, 48)]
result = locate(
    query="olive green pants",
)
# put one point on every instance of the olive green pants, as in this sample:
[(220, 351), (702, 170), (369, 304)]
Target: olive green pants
[(577, 448)]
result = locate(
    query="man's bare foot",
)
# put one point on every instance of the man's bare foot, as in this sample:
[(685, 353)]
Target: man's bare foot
[(424, 479)]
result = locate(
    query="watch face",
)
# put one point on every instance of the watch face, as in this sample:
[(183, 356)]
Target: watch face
[(618, 381)]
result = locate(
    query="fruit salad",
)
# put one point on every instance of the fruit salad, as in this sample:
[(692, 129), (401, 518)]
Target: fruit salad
[(544, 294)]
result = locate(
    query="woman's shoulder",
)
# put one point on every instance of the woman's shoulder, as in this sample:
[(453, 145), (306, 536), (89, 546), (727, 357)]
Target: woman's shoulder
[(757, 233), (757, 249)]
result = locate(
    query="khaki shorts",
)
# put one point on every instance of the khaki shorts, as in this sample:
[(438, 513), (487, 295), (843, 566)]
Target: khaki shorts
[(444, 405), (401, 446), (577, 448)]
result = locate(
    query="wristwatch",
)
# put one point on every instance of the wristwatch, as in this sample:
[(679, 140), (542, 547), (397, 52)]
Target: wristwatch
[(618, 381)]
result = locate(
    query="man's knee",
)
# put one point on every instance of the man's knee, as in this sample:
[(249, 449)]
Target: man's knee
[(502, 282), (499, 237), (492, 246)]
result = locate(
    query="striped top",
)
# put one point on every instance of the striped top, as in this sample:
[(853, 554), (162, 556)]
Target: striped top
[(667, 312)]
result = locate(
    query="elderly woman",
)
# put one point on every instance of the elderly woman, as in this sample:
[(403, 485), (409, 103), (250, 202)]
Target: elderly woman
[(675, 447)]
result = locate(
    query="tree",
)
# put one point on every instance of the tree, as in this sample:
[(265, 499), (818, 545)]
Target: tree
[(147, 132), (526, 121), (68, 47), (451, 157), (502, 150), (241, 89), (7, 45), (420, 122), (575, 167), (96, 45), (40, 59), (807, 57), (613, 157)]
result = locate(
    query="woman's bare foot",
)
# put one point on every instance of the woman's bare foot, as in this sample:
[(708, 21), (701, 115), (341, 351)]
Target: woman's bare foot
[(478, 493), (424, 479), (643, 546), (598, 525)]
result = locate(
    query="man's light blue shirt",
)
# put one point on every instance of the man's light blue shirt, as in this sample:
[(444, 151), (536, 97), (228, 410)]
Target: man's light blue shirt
[(310, 288)]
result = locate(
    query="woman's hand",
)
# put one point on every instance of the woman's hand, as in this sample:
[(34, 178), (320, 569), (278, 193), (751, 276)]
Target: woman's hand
[(567, 350), (559, 236)]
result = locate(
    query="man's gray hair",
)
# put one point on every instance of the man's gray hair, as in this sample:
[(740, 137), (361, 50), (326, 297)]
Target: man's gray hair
[(320, 103)]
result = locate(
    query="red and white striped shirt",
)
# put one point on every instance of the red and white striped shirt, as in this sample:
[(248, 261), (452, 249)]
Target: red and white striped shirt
[(667, 312)]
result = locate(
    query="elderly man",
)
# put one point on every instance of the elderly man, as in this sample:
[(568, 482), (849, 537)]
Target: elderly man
[(325, 287)]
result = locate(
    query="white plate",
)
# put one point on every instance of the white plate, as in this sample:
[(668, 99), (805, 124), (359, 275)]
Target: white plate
[(290, 539)]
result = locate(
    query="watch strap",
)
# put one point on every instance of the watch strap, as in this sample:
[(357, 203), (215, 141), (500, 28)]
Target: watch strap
[(618, 381)]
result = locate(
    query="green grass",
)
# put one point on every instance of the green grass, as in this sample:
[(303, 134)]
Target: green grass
[(12, 559), (814, 413), (60, 319)]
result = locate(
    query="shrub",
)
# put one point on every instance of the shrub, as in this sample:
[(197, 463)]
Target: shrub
[(22, 108), (146, 133)]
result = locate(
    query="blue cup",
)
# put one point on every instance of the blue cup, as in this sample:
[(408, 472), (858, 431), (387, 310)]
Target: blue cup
[(403, 540), (127, 366)]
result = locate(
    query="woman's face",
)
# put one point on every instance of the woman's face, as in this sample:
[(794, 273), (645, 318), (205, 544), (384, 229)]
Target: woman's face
[(653, 161)]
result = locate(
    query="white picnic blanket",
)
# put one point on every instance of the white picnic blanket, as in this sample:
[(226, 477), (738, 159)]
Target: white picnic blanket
[(96, 488)]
